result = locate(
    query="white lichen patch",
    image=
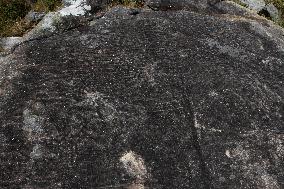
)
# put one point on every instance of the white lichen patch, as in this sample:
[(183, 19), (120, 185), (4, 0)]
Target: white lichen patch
[(76, 8), (8, 43), (149, 73), (32, 123), (272, 62), (200, 127), (213, 94), (228, 153), (92, 98), (135, 186), (134, 166), (36, 152), (98, 100), (226, 49), (48, 24)]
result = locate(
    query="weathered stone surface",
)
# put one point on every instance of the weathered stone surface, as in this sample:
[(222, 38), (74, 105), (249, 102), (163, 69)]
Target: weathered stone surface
[(256, 5), (230, 7), (98, 4), (159, 99), (180, 4), (273, 11), (34, 16), (7, 43)]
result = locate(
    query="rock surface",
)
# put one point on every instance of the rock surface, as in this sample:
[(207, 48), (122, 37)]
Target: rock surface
[(157, 99), (273, 12)]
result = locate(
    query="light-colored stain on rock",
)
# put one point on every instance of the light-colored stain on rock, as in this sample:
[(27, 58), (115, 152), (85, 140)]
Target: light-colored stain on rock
[(255, 171), (227, 49), (37, 152), (32, 123), (135, 166)]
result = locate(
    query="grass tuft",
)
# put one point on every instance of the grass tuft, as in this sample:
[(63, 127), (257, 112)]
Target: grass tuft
[(129, 3), (12, 13)]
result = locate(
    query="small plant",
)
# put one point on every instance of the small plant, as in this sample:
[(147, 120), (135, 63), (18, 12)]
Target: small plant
[(132, 3), (46, 5), (12, 13)]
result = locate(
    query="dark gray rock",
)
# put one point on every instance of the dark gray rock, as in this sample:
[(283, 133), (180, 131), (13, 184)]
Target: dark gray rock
[(98, 4), (67, 2), (230, 7), (160, 99), (180, 4)]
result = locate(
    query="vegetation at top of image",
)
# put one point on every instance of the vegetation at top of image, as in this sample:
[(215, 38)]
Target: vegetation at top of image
[(279, 4), (132, 3), (12, 13)]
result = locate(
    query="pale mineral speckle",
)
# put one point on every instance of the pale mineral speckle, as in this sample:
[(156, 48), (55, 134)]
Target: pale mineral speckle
[(3, 139), (200, 127), (213, 94)]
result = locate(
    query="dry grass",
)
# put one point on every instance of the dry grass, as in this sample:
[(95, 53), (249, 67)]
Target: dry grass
[(128, 3), (12, 13)]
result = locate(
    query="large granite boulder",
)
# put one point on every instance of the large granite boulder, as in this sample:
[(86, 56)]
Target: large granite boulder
[(155, 99)]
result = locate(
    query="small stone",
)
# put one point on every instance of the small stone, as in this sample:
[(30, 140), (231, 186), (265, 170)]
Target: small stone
[(256, 5), (37, 152), (273, 11)]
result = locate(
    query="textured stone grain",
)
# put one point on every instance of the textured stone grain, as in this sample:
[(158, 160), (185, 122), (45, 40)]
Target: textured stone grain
[(191, 100)]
